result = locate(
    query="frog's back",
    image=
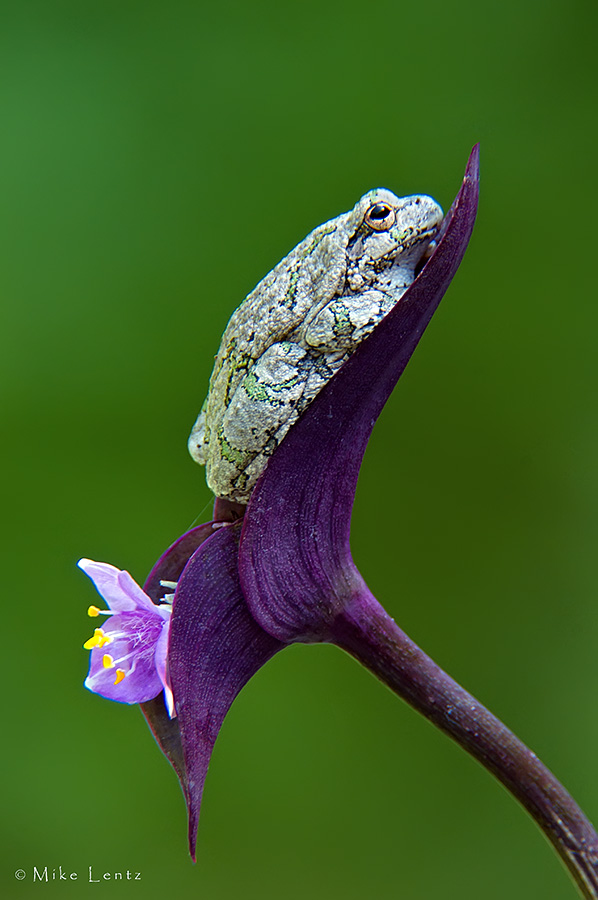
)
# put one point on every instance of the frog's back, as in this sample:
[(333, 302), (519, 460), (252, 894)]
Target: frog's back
[(304, 280)]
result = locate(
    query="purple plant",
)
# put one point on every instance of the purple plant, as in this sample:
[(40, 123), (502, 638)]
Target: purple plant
[(280, 571)]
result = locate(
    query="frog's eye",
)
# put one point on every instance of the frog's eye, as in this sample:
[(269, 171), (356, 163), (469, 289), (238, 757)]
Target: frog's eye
[(380, 217)]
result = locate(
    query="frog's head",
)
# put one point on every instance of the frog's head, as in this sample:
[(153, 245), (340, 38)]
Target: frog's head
[(391, 235)]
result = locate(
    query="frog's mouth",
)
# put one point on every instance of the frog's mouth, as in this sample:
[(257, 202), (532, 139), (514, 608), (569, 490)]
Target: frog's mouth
[(428, 254), (440, 232)]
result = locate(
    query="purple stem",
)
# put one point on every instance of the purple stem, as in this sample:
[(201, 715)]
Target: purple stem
[(368, 633)]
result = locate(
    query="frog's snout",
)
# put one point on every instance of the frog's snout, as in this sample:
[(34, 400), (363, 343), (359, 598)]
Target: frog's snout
[(426, 213), (425, 218)]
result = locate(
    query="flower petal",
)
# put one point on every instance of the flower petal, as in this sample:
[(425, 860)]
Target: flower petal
[(132, 590), (160, 663), (295, 562), (132, 647), (117, 587)]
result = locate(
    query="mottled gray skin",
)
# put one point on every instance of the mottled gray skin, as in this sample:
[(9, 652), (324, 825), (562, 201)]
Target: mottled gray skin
[(299, 325)]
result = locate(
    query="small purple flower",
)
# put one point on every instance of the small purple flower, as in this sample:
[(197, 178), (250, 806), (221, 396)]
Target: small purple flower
[(128, 654)]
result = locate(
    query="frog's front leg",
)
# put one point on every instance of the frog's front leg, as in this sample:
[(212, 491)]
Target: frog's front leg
[(344, 322), (266, 396), (197, 438), (260, 412)]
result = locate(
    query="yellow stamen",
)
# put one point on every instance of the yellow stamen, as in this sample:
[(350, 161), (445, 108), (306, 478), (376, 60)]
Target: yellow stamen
[(96, 611), (107, 661), (98, 639), (120, 674)]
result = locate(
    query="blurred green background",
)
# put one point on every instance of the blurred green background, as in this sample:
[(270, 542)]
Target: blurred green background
[(157, 159)]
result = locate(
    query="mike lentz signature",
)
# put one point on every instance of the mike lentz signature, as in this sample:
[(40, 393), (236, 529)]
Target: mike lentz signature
[(91, 875)]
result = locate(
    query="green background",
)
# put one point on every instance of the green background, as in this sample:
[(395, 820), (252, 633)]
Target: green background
[(157, 159)]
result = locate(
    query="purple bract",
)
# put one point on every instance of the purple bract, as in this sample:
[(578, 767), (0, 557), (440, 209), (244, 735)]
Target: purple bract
[(247, 589)]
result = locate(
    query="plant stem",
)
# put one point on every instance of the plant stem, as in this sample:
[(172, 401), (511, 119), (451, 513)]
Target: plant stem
[(368, 633)]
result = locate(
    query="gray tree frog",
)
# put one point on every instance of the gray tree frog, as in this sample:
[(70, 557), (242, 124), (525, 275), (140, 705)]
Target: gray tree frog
[(299, 325)]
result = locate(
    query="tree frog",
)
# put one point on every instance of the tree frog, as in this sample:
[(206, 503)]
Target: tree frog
[(299, 325)]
